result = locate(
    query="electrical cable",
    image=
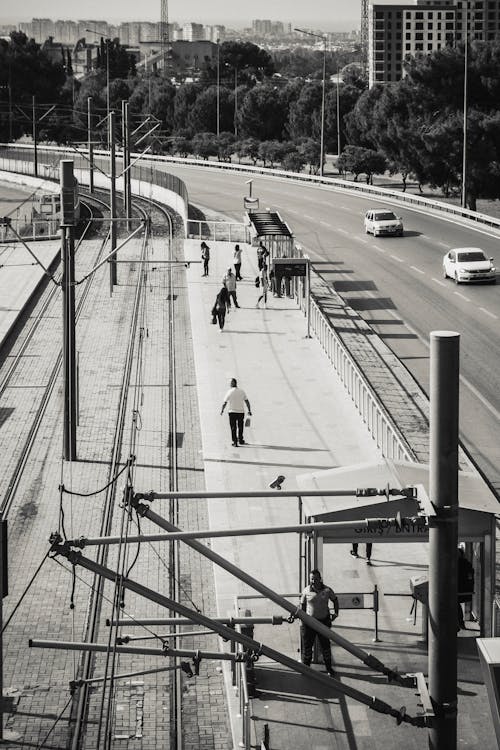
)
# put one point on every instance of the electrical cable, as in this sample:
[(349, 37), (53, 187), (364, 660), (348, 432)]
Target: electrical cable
[(27, 588), (58, 719)]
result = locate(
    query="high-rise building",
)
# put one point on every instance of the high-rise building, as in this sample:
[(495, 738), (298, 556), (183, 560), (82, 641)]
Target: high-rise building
[(193, 32), (399, 30)]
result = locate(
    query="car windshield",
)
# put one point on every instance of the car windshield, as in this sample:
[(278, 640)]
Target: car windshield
[(470, 256), (386, 216)]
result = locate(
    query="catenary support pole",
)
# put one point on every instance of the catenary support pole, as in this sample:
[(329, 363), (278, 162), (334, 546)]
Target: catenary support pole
[(68, 298), (443, 537), (35, 136), (255, 647), (90, 144), (368, 659), (112, 198)]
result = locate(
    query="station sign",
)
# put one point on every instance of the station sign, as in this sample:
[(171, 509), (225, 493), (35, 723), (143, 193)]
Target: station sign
[(290, 266)]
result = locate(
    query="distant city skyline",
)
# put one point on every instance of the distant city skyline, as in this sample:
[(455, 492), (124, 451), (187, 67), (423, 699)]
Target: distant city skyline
[(339, 15)]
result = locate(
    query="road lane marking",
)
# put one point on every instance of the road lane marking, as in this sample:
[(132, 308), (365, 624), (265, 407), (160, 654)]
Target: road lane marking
[(462, 296), (487, 405), (399, 260), (487, 312), (325, 224), (311, 218), (418, 270), (443, 244), (343, 231), (441, 283), (381, 250)]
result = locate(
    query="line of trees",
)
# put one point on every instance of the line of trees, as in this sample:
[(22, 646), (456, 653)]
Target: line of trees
[(414, 127)]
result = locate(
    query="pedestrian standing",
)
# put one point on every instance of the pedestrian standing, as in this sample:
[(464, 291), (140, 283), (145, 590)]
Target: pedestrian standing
[(221, 306), (369, 547), (264, 285), (314, 602), (465, 584), (229, 282), (205, 256), (237, 262), (262, 255), (235, 400)]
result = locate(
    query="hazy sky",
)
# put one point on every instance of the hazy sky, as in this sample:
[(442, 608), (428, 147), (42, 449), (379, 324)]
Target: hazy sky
[(330, 15)]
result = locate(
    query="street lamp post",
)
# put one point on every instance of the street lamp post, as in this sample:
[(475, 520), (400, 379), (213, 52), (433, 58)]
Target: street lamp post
[(322, 138), (218, 88), (338, 113), (235, 101), (97, 33), (464, 145)]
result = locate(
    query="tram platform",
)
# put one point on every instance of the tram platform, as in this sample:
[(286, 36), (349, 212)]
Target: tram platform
[(303, 422)]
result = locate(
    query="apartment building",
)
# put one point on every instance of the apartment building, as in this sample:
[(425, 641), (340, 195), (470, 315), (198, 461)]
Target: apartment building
[(399, 30)]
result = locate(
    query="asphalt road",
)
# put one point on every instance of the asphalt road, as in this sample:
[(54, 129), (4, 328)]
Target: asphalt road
[(394, 283)]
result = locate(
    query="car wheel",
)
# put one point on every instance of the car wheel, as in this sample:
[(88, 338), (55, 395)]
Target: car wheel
[(445, 275), (400, 234), (456, 279)]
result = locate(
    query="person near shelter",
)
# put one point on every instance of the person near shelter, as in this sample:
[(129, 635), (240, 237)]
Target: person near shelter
[(221, 306), (205, 256), (369, 547), (237, 262), (262, 255), (314, 601), (465, 585), (264, 285), (235, 400), (229, 282)]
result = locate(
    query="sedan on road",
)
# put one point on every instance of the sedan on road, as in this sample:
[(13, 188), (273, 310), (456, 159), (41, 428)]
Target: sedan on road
[(468, 264), (379, 221)]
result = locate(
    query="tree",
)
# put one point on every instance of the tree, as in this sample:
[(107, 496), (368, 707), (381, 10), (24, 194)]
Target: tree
[(261, 115), (361, 161), (249, 147), (294, 161), (184, 100), (204, 145), (274, 151), (310, 150), (304, 118), (225, 146)]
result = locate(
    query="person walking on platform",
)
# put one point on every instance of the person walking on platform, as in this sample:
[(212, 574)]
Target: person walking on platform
[(237, 262), (314, 602), (262, 255), (369, 547), (229, 282), (264, 285), (235, 400), (221, 306), (205, 256)]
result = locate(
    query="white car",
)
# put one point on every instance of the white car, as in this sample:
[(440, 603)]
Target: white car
[(380, 221), (468, 264)]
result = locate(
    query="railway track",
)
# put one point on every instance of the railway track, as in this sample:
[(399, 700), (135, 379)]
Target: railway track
[(26, 346)]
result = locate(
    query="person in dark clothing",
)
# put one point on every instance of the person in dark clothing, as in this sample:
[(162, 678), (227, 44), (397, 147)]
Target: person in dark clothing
[(221, 305), (369, 547), (465, 585), (205, 256), (262, 255), (314, 601)]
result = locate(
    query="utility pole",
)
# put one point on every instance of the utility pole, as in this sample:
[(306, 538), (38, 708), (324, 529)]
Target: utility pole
[(443, 537), (68, 296), (112, 199), (35, 143), (91, 145), (127, 177)]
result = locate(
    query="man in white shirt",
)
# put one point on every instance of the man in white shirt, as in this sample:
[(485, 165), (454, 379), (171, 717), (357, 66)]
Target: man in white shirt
[(235, 399), (229, 281), (314, 601)]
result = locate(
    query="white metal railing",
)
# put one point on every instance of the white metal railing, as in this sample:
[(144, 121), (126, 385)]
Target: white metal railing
[(416, 201)]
